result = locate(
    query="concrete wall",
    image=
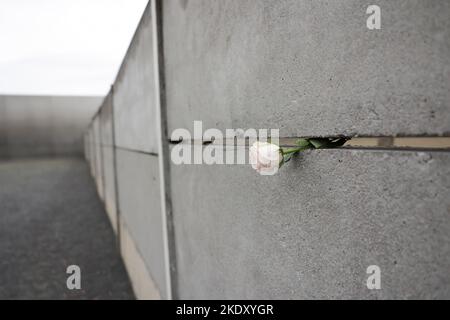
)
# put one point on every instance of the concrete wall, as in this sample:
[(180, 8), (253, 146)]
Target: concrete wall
[(130, 165), (99, 165), (312, 230), (137, 158), (107, 152), (134, 94), (308, 68), (44, 125)]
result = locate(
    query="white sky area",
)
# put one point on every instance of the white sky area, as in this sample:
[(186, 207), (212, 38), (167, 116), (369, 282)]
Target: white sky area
[(64, 47)]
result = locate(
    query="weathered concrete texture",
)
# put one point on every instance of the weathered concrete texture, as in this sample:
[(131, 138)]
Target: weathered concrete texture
[(110, 188), (309, 68), (51, 218), (312, 230), (134, 93), (99, 174), (140, 209), (106, 121), (107, 149), (144, 286), (44, 125)]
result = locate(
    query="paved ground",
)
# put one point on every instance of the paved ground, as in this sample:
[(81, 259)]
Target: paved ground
[(50, 218)]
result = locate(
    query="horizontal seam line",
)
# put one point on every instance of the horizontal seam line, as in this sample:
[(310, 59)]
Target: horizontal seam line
[(137, 151)]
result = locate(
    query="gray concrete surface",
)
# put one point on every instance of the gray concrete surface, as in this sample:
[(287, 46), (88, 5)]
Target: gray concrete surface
[(106, 121), (312, 230), (44, 125), (107, 149), (99, 170), (51, 218), (110, 187), (136, 140), (91, 145), (134, 93), (309, 68), (140, 209)]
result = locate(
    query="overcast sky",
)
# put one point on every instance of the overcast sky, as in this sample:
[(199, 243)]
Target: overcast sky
[(72, 47)]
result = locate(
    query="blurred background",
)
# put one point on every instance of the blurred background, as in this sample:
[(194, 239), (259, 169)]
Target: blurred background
[(57, 62)]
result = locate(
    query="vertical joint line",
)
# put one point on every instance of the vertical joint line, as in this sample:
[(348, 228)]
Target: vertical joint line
[(116, 176), (102, 157), (163, 151)]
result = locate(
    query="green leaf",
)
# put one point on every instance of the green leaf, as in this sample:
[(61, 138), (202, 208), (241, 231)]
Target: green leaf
[(287, 158), (319, 142), (303, 143)]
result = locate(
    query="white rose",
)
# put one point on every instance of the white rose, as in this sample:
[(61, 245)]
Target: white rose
[(265, 158)]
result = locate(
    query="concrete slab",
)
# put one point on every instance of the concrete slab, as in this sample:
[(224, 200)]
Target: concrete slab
[(312, 230), (144, 286), (110, 187), (134, 93), (106, 121), (309, 68), (140, 209), (99, 174), (107, 149)]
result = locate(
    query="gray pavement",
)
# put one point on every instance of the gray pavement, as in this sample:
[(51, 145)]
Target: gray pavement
[(50, 218)]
